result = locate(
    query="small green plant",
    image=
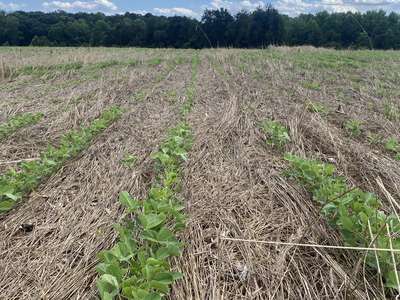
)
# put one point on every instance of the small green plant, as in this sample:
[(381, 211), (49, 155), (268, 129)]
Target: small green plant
[(14, 185), (316, 108), (353, 127), (374, 138), (353, 212), (391, 111), (129, 160), (277, 134), (392, 145), (17, 122)]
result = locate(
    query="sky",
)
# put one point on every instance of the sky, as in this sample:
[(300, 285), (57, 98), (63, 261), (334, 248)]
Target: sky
[(194, 8)]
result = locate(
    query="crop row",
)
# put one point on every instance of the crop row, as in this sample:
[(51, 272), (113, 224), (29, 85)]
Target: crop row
[(15, 184), (138, 265), (41, 70), (356, 214), (354, 128), (18, 122)]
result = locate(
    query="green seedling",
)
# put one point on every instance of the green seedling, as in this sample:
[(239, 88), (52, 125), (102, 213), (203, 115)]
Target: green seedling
[(353, 127), (353, 212), (18, 122), (132, 63), (316, 108), (374, 138), (277, 134), (392, 145)]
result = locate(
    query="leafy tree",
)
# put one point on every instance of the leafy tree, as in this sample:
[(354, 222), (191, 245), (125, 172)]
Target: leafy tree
[(40, 41), (216, 25), (217, 28)]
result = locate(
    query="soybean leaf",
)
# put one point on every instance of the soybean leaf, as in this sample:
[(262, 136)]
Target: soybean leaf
[(108, 287), (150, 221), (131, 204)]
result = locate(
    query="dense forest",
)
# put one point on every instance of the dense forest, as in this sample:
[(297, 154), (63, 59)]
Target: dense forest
[(217, 28)]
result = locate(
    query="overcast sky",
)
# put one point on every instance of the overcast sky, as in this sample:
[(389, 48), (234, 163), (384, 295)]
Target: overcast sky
[(194, 8)]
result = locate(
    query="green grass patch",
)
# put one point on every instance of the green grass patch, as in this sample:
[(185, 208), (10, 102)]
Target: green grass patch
[(42, 70)]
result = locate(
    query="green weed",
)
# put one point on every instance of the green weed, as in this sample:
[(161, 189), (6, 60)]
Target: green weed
[(17, 122), (353, 127), (374, 138), (392, 145), (277, 134), (352, 211), (316, 108), (14, 185)]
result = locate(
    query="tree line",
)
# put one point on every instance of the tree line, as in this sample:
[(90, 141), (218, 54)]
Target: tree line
[(216, 28)]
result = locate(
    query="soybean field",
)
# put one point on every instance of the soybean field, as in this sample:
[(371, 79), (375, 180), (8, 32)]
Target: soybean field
[(132, 173)]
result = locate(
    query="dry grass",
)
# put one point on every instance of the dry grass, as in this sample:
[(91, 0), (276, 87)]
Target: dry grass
[(235, 188)]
